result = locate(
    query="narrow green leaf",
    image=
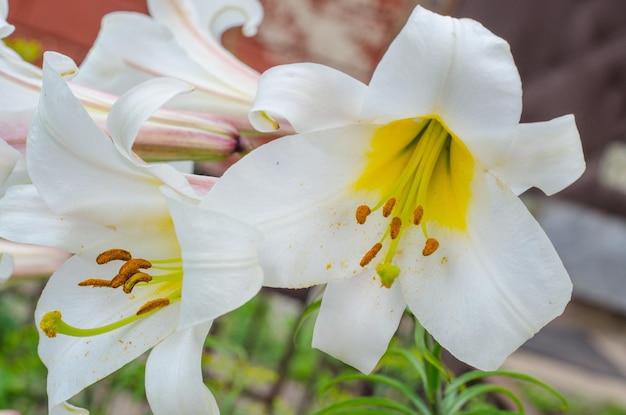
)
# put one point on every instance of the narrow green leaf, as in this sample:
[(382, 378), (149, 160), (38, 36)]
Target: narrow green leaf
[(367, 401), (477, 374), (453, 404)]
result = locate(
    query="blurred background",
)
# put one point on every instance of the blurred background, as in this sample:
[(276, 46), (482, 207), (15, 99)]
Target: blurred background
[(571, 55)]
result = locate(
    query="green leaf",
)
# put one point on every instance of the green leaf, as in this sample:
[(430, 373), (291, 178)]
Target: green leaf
[(370, 402), (399, 386), (310, 309), (454, 403), (477, 374)]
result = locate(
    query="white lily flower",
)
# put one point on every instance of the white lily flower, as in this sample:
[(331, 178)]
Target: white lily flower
[(168, 134), (181, 39), (404, 193), (5, 28), (151, 268)]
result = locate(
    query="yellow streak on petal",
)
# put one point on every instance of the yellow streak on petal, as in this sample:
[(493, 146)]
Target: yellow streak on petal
[(449, 190)]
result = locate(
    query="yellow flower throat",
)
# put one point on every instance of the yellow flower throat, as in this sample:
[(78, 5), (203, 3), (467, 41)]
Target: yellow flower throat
[(423, 174), (133, 271)]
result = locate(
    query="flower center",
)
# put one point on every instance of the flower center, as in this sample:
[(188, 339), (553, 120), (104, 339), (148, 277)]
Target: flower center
[(165, 280), (423, 175)]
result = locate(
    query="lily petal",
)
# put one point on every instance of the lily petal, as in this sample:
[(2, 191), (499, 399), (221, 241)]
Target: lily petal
[(311, 204), (357, 319), (308, 96), (8, 160), (480, 94), (132, 110), (492, 288), (75, 178), (188, 20), (6, 266), (5, 28), (65, 408), (218, 16), (174, 382), (132, 48), (66, 357), (547, 155), (219, 258), (25, 218)]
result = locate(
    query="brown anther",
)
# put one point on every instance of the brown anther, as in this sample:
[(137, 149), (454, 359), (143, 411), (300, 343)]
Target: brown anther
[(95, 282), (418, 213), (362, 213), (394, 227), (430, 247), (153, 305), (134, 280), (388, 207), (112, 255), (130, 268), (367, 258)]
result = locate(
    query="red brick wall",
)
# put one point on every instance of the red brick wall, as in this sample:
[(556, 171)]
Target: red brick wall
[(66, 26)]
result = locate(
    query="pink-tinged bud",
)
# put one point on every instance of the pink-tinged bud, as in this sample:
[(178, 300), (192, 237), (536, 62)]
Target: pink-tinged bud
[(179, 135), (31, 260), (168, 135)]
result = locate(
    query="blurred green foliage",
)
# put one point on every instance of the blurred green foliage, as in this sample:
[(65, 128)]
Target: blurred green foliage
[(258, 361)]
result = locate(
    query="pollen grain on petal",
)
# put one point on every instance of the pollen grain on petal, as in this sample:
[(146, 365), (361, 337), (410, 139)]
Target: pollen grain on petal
[(371, 254), (362, 212), (388, 207), (95, 282), (418, 213), (394, 227), (430, 247), (153, 305), (48, 323), (112, 255)]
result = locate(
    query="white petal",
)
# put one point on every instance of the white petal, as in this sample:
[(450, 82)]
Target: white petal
[(452, 68), (76, 362), (132, 110), (62, 64), (357, 319), (547, 155), (308, 96), (218, 16), (132, 48), (188, 20), (174, 382), (220, 262), (25, 218), (5, 28), (299, 192), (8, 159), (77, 169), (65, 408), (484, 293), (6, 266)]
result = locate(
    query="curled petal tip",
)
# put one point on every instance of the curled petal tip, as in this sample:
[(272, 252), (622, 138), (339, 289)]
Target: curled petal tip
[(63, 65)]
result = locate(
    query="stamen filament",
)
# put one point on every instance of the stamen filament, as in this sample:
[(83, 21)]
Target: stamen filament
[(53, 324), (165, 261)]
